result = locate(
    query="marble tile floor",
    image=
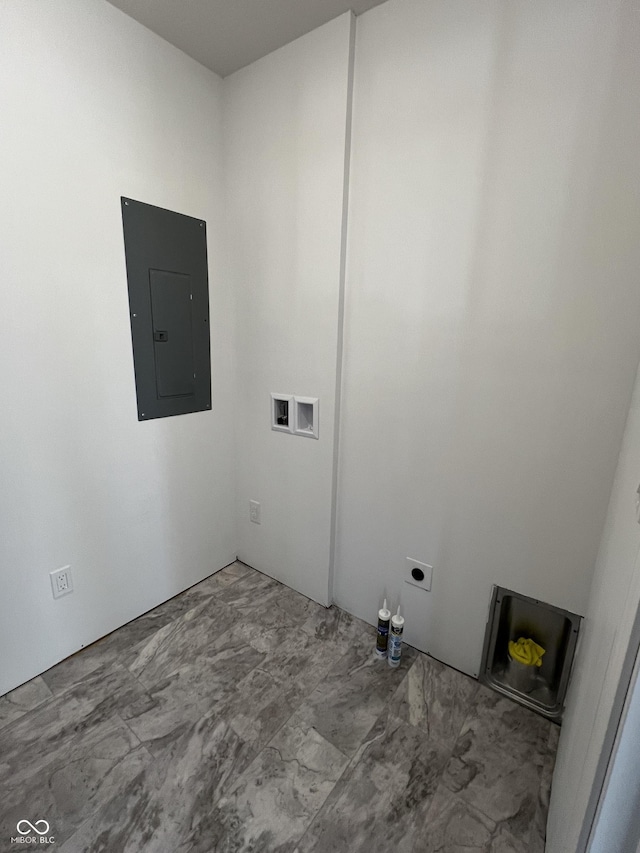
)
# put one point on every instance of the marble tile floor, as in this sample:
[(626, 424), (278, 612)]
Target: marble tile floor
[(240, 716)]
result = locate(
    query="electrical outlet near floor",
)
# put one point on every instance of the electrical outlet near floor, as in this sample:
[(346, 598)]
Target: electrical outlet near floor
[(61, 581), (254, 512), (418, 574)]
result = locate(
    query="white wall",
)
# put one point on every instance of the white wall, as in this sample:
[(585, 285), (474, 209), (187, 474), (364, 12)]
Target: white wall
[(615, 597), (285, 137), (615, 593), (93, 106), (492, 312)]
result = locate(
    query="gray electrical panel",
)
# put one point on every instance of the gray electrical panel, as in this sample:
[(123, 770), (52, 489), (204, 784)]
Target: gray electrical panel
[(166, 256)]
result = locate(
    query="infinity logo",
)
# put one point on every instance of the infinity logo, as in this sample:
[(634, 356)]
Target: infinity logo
[(33, 827)]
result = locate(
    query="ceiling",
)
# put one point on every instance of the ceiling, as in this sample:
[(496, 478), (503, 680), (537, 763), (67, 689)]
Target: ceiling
[(226, 35)]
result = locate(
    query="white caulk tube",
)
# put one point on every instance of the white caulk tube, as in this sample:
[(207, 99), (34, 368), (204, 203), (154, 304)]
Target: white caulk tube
[(382, 636), (395, 639)]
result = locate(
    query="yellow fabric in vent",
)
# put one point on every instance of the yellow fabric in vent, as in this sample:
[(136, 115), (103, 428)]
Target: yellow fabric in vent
[(526, 651)]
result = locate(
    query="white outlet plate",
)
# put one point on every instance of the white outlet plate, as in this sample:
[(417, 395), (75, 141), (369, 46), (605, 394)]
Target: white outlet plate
[(61, 581), (254, 512), (410, 565)]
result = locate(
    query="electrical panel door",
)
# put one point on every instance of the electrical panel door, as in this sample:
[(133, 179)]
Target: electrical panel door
[(166, 255)]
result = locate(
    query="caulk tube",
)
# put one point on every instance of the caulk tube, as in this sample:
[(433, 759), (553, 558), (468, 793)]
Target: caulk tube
[(395, 639), (382, 637)]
